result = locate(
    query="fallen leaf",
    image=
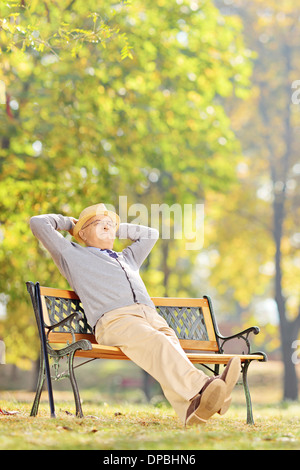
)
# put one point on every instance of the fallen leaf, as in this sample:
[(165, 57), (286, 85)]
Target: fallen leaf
[(64, 428), (4, 412)]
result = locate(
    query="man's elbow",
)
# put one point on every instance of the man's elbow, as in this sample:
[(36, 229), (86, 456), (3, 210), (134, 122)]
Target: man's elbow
[(33, 222), (36, 222), (154, 234)]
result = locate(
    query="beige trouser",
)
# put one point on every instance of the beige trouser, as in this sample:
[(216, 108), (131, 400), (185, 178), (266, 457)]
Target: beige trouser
[(145, 337)]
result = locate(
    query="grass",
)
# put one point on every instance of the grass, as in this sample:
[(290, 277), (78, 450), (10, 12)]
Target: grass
[(136, 427), (131, 426)]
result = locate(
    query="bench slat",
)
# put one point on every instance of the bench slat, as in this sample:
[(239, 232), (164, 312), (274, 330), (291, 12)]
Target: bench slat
[(100, 351), (59, 293), (112, 352), (185, 343), (163, 301)]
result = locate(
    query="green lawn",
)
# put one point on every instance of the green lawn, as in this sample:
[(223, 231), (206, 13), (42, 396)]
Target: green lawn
[(120, 425), (133, 427)]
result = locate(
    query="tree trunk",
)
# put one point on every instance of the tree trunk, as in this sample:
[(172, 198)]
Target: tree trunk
[(288, 330), (290, 391)]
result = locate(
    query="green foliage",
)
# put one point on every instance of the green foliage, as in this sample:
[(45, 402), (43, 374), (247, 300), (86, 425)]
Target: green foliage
[(97, 98), (65, 26)]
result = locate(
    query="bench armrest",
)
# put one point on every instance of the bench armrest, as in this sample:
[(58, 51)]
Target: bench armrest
[(253, 329), (244, 335), (66, 321)]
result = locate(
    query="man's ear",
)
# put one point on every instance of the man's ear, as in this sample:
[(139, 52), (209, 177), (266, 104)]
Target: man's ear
[(81, 234)]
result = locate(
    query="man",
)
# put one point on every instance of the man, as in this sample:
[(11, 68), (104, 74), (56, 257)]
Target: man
[(121, 312)]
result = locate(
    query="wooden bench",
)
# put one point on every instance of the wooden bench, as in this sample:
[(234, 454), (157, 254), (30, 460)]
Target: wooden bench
[(61, 321)]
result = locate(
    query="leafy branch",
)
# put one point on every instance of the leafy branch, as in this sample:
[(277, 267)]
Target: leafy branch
[(26, 30)]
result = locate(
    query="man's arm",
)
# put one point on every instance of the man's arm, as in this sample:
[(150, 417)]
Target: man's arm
[(45, 228), (144, 239)]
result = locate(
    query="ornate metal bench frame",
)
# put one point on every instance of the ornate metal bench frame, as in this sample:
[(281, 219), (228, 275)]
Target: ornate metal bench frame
[(60, 318)]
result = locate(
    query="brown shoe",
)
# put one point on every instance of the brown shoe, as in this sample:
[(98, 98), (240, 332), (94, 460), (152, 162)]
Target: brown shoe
[(230, 376), (209, 400)]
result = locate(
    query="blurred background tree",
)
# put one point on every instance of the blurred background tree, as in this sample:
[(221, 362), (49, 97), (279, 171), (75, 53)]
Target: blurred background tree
[(106, 100), (257, 234)]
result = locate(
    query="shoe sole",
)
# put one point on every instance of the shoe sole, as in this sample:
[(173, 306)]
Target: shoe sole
[(212, 400), (231, 378)]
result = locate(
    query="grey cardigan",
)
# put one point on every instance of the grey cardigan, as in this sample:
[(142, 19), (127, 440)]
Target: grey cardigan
[(102, 283)]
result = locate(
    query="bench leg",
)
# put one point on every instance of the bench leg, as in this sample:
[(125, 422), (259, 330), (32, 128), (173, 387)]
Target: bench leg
[(39, 387), (247, 393), (74, 385)]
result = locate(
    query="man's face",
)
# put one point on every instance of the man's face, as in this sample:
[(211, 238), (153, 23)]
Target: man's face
[(99, 231)]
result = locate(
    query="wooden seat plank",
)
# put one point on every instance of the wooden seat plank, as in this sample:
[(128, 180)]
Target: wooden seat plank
[(110, 352)]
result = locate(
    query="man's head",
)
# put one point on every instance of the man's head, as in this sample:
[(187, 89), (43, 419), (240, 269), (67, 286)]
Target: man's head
[(99, 231), (97, 226)]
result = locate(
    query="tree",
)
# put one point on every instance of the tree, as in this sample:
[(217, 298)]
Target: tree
[(89, 125), (267, 126), (41, 126)]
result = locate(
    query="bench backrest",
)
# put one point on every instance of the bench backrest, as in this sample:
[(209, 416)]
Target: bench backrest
[(191, 319)]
